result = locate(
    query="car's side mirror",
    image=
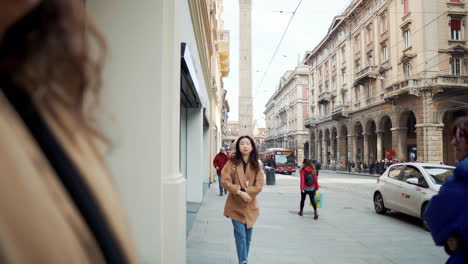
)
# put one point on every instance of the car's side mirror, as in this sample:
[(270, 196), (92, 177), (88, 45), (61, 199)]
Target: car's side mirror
[(413, 181)]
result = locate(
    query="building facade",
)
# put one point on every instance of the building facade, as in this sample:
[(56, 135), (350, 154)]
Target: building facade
[(163, 89), (387, 81), (232, 134), (219, 68), (286, 112)]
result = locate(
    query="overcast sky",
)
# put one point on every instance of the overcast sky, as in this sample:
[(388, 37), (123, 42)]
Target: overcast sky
[(307, 29)]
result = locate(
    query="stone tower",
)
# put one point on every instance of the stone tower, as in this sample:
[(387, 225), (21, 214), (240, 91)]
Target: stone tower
[(245, 68)]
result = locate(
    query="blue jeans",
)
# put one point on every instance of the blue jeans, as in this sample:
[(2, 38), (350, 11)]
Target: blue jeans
[(221, 190), (243, 235)]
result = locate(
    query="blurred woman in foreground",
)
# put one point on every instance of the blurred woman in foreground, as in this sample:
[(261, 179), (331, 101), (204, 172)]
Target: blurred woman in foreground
[(58, 204), (447, 212)]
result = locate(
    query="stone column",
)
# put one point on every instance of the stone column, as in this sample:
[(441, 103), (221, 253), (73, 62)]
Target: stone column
[(332, 148), (355, 148), (430, 142), (379, 144), (400, 142), (300, 149), (311, 148), (365, 147), (342, 146), (351, 148), (318, 152), (324, 151)]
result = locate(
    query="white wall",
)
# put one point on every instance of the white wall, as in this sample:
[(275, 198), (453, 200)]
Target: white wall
[(195, 153), (198, 140), (142, 92)]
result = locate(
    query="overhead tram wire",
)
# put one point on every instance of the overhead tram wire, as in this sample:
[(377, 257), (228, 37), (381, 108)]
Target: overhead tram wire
[(277, 48)]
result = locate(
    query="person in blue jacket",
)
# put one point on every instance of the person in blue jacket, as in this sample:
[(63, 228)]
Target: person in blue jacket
[(447, 212)]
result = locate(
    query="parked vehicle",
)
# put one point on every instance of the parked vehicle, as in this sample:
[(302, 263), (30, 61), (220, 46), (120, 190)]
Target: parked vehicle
[(408, 187)]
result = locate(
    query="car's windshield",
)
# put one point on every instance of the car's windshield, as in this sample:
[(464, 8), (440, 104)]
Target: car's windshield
[(438, 175), (284, 160)]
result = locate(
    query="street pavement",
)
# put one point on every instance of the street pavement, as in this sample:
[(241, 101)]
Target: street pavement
[(347, 231)]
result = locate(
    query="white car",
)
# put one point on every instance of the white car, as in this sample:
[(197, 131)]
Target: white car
[(408, 187)]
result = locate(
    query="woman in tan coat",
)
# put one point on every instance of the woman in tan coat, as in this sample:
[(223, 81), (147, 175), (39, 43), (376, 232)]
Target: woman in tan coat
[(57, 202), (243, 177)]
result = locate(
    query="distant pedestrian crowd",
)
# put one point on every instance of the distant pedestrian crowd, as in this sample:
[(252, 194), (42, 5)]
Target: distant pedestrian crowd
[(372, 167)]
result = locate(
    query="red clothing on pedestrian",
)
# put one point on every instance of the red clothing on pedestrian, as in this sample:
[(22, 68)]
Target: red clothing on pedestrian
[(219, 161), (303, 185)]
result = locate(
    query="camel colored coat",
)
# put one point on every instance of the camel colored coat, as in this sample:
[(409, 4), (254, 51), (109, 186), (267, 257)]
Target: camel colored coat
[(38, 221), (233, 178)]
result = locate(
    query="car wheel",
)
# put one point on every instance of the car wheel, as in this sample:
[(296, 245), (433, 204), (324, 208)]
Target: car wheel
[(424, 222), (379, 204)]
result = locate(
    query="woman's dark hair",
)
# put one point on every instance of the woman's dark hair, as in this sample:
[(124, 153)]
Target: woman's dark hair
[(309, 163), (253, 157), (48, 54)]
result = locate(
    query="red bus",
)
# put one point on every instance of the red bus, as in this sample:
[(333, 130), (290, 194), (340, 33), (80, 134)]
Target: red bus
[(284, 159)]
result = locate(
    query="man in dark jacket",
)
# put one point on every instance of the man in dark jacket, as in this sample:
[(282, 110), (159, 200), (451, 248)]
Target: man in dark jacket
[(271, 163), (317, 166), (219, 161)]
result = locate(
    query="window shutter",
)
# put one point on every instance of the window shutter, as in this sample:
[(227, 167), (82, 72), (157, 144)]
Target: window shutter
[(455, 24)]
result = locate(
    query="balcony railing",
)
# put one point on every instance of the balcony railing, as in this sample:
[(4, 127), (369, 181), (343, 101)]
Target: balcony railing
[(310, 122), (340, 111), (282, 108), (450, 81), (366, 73), (414, 86), (324, 97)]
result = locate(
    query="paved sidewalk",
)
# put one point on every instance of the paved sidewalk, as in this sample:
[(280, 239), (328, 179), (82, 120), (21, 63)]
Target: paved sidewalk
[(348, 230)]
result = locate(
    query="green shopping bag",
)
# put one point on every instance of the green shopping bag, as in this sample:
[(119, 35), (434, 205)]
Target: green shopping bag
[(318, 199)]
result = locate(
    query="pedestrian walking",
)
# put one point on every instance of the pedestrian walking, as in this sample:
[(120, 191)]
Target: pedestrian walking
[(271, 162), (447, 212), (243, 177), (58, 202), (218, 162), (317, 166), (308, 186)]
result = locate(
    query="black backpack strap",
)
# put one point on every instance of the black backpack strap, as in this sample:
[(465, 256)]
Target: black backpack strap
[(66, 172)]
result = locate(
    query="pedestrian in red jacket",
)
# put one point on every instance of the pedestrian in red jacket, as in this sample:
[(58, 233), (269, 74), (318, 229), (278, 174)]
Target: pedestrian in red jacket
[(309, 185), (219, 161)]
